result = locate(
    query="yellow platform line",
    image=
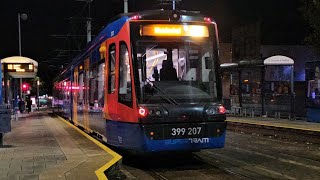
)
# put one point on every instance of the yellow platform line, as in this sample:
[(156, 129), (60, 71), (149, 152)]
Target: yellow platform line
[(116, 157), (271, 125)]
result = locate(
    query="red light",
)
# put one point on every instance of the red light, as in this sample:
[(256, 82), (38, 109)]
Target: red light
[(136, 17), (142, 112), (222, 110), (25, 87), (207, 19)]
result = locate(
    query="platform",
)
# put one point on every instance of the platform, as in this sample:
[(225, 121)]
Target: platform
[(277, 123), (47, 147)]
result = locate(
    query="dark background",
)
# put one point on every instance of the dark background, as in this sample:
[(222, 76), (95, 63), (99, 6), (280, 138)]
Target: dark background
[(282, 23)]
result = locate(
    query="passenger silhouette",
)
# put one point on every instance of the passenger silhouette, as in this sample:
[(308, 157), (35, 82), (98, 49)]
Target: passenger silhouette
[(168, 72), (155, 74)]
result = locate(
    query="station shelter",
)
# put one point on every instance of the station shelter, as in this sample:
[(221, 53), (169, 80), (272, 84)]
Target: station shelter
[(12, 71), (261, 87), (313, 91)]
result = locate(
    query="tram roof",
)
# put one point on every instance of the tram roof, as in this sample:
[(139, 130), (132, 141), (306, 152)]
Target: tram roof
[(115, 24)]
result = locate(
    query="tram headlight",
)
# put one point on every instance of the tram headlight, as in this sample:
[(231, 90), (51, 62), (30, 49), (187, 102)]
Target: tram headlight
[(142, 112), (158, 113), (222, 109), (152, 111), (211, 111)]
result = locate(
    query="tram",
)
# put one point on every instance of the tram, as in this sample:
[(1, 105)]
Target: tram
[(149, 82)]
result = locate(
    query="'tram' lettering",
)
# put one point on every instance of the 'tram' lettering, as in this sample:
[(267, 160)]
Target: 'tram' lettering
[(199, 140)]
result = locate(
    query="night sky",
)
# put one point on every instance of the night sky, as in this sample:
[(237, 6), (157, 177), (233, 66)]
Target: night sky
[(282, 22)]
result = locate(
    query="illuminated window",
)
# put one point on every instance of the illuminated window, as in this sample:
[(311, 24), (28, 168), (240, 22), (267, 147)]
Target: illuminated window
[(125, 87)]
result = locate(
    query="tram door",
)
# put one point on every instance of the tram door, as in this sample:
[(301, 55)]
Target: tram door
[(126, 105), (75, 95), (86, 105), (111, 96)]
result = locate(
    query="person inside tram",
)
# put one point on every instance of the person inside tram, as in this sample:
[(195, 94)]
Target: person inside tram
[(155, 74), (168, 72)]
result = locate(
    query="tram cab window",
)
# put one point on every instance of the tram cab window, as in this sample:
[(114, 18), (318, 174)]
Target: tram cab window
[(182, 69), (125, 88)]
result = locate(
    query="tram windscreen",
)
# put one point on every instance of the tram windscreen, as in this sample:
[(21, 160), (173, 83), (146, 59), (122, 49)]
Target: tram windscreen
[(177, 70)]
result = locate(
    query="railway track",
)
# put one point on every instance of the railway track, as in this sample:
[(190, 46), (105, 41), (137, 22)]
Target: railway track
[(194, 166), (245, 156)]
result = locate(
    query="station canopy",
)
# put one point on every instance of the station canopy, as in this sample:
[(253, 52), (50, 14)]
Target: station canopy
[(20, 67), (278, 60)]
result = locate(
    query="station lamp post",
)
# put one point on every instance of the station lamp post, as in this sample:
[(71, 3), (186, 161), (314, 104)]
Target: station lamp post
[(24, 17)]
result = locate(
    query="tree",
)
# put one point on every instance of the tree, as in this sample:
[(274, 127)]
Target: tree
[(311, 11)]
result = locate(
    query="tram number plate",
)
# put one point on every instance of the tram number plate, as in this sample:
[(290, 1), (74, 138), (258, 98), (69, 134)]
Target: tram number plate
[(180, 132)]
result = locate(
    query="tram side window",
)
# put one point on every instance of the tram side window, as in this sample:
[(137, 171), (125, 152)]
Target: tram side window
[(125, 88), (101, 76), (80, 94), (93, 98), (97, 86), (111, 69)]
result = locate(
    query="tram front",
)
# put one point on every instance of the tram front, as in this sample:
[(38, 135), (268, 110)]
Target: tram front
[(177, 84)]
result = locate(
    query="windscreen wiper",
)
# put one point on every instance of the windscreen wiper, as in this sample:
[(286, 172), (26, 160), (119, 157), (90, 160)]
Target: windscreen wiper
[(162, 94)]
